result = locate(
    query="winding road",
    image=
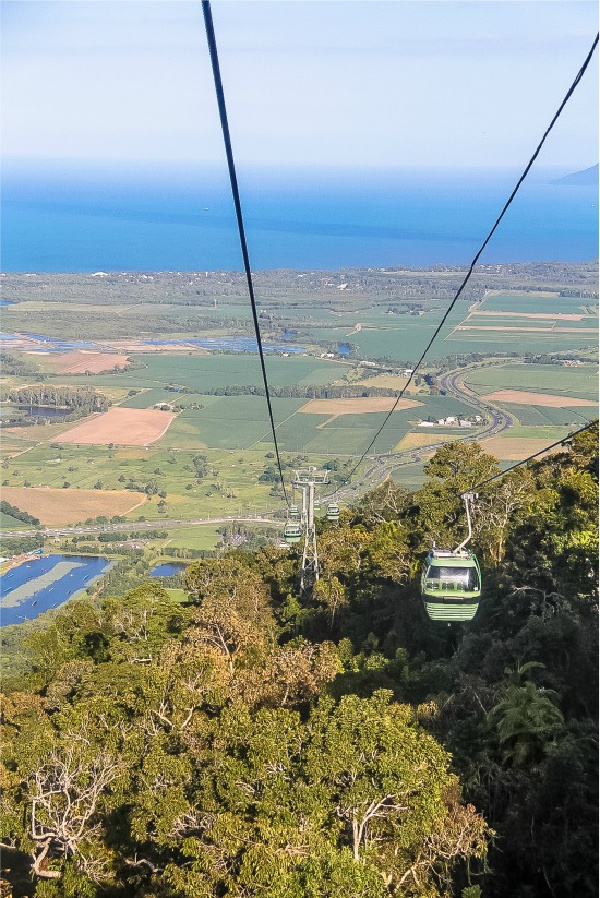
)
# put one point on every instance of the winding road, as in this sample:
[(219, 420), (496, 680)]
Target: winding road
[(452, 384)]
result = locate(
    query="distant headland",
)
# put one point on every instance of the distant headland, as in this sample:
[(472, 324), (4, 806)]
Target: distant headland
[(588, 177)]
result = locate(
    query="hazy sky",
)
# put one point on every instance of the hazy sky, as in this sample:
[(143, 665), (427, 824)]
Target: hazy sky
[(393, 83)]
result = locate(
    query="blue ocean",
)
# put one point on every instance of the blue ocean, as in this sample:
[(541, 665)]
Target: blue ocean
[(101, 217)]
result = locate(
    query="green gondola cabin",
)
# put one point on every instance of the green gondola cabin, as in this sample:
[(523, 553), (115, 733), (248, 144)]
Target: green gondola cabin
[(333, 511), (451, 585), (292, 532)]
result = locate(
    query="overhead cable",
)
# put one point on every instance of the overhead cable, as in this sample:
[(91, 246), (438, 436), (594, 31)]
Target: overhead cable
[(555, 117), (212, 47)]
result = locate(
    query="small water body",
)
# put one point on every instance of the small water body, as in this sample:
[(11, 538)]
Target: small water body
[(46, 582), (169, 569), (7, 302), (43, 411), (231, 344), (52, 344)]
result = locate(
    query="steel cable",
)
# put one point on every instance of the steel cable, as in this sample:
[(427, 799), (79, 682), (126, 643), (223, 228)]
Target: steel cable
[(212, 47), (555, 117)]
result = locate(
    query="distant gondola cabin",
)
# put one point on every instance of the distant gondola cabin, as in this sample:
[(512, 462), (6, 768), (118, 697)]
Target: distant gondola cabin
[(333, 511), (292, 532)]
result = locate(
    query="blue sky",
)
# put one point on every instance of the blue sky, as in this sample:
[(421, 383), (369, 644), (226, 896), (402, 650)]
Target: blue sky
[(396, 83)]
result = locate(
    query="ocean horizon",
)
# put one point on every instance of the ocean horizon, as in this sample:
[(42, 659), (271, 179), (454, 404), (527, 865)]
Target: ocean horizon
[(87, 217)]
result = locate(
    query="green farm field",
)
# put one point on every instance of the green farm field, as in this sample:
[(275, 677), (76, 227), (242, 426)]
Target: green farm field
[(520, 343), (548, 433), (536, 415), (581, 382), (199, 372), (240, 422), (149, 397), (516, 332), (401, 337), (550, 303)]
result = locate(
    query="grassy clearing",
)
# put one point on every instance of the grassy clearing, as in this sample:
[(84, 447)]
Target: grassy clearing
[(355, 407), (177, 595), (172, 472), (30, 436), (115, 394), (8, 521), (203, 537)]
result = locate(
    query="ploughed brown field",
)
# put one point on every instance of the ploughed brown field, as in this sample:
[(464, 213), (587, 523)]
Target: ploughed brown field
[(513, 448), (80, 362), (122, 426), (360, 406), (61, 508), (426, 438), (544, 399)]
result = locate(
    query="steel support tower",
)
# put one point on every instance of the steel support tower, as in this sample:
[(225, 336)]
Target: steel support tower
[(305, 480)]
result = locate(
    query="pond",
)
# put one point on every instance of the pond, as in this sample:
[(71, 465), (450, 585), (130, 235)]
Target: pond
[(169, 569), (46, 582), (51, 344), (231, 344), (43, 411)]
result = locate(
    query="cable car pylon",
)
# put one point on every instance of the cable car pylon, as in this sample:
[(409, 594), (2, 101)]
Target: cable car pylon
[(305, 480)]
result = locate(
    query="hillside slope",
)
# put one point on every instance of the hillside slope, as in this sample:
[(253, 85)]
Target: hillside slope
[(244, 743)]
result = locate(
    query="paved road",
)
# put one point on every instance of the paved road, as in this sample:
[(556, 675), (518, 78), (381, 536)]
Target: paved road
[(161, 524)]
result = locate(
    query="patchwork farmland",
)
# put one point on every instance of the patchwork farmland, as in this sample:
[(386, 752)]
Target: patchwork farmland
[(173, 405)]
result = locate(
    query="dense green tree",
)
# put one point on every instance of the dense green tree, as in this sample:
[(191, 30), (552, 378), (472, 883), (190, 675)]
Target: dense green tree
[(248, 742)]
